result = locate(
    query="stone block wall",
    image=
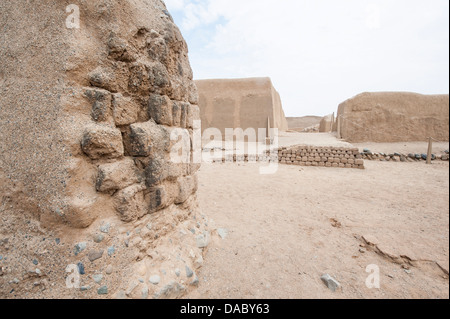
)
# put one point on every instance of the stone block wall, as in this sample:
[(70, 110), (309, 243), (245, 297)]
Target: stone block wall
[(86, 117), (321, 156), (305, 155)]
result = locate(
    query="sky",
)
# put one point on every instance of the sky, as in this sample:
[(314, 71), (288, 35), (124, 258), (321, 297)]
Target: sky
[(320, 53)]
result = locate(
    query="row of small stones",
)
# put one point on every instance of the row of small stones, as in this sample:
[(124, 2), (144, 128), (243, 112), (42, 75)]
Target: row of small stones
[(301, 161), (397, 157), (308, 156)]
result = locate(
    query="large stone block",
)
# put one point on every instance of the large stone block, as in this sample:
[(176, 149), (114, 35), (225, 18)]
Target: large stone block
[(186, 187), (145, 139), (102, 141), (162, 196), (125, 110), (160, 169), (193, 114), (130, 203), (118, 175), (160, 109)]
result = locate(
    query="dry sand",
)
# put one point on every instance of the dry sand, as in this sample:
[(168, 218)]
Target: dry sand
[(288, 229)]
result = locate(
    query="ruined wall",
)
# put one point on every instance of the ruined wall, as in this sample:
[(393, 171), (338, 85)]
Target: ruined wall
[(326, 124), (300, 123), (394, 117), (86, 116), (306, 155), (240, 103)]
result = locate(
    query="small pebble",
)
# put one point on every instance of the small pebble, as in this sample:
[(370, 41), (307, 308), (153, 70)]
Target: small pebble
[(102, 290), (79, 248), (223, 233), (195, 281), (35, 262), (189, 272), (81, 268), (109, 270), (97, 278), (105, 228), (144, 292), (331, 283), (155, 279), (111, 251), (98, 238)]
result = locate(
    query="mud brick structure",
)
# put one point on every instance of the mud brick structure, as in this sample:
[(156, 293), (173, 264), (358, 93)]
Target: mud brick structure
[(86, 117)]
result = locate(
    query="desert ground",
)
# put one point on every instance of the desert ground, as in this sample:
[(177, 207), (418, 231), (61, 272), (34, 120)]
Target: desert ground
[(274, 236), (282, 232)]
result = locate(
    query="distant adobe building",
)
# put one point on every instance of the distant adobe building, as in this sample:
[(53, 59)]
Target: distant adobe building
[(393, 117), (240, 103)]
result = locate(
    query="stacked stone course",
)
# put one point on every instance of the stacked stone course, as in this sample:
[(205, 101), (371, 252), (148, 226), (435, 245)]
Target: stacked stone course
[(305, 156), (138, 99)]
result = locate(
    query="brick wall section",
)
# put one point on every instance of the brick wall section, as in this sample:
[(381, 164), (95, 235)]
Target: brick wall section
[(306, 156), (321, 156)]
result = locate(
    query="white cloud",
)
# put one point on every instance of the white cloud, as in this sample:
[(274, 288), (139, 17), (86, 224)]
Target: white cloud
[(319, 53)]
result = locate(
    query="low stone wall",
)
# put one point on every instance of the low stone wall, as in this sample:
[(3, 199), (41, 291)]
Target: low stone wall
[(400, 157), (304, 156), (321, 156)]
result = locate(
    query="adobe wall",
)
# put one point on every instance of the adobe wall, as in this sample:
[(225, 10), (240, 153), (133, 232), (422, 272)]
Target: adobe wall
[(240, 103), (301, 123), (86, 116), (394, 117), (326, 123)]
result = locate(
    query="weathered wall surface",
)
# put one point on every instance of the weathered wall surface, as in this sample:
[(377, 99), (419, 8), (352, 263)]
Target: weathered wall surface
[(394, 117), (86, 116), (240, 103), (300, 123), (326, 124)]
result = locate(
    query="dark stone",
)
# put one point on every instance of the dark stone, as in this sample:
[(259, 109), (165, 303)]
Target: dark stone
[(158, 76), (101, 103), (155, 172), (94, 255), (160, 109), (176, 114), (424, 157), (157, 50), (81, 270), (102, 290)]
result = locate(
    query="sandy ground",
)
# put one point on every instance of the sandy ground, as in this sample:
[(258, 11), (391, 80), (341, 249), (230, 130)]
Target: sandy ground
[(288, 229)]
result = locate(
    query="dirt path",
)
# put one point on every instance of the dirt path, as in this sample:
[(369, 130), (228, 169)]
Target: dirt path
[(286, 230)]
